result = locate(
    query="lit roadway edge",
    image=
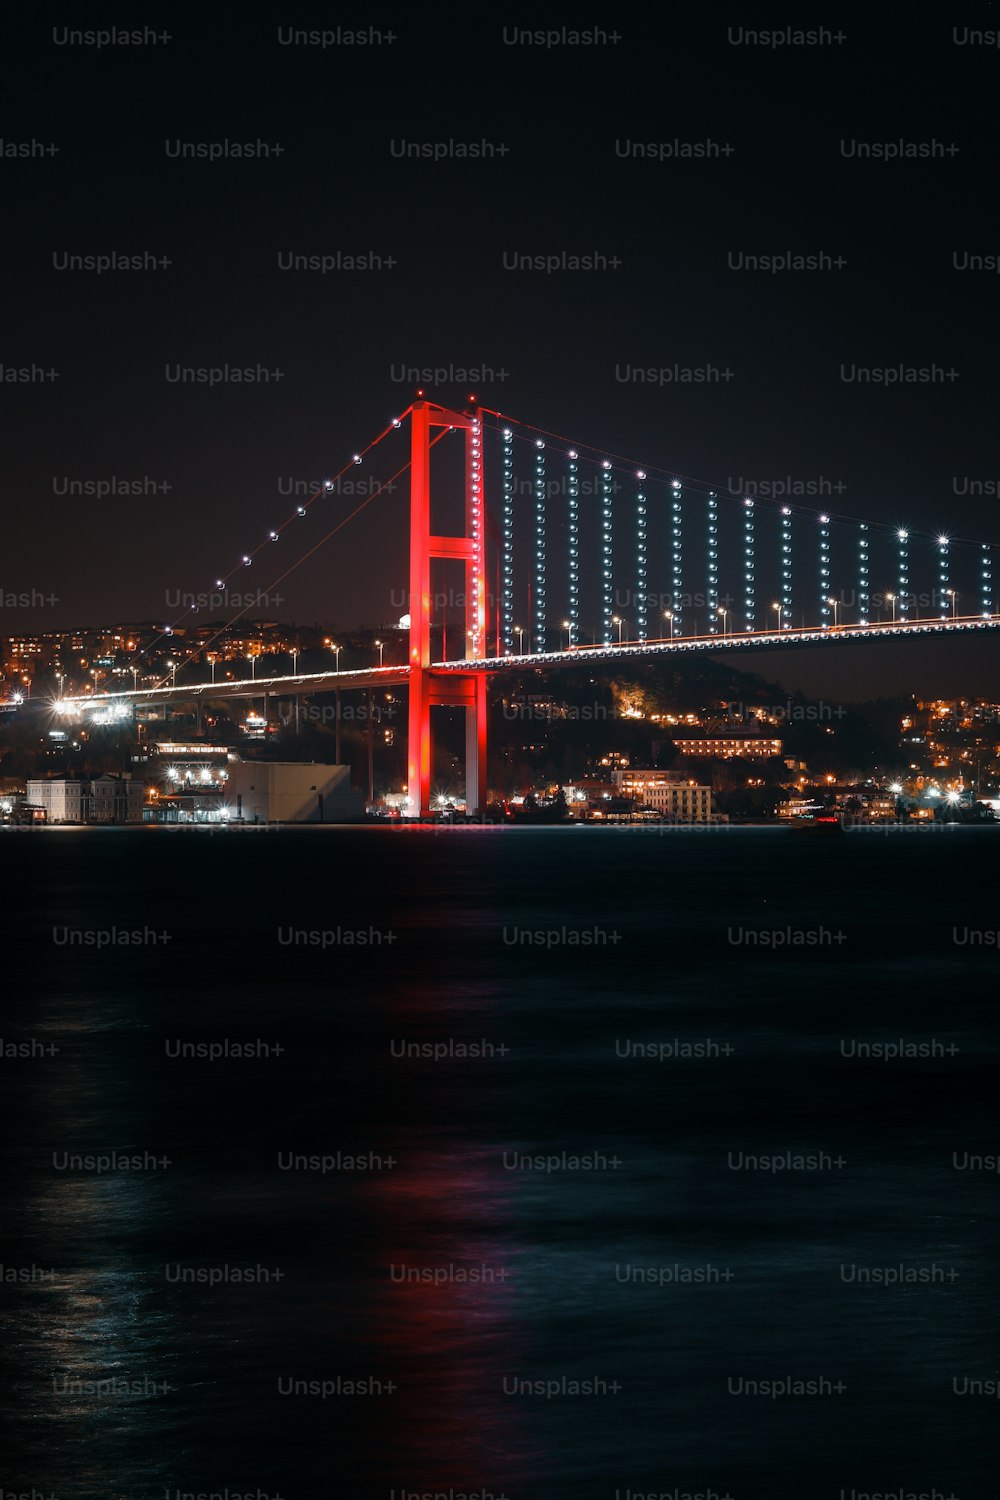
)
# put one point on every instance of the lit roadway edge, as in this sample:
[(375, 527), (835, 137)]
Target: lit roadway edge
[(321, 682)]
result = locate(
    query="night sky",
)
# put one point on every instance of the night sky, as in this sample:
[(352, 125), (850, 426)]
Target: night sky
[(787, 178)]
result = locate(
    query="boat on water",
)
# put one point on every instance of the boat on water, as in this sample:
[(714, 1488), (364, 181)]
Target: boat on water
[(821, 823)]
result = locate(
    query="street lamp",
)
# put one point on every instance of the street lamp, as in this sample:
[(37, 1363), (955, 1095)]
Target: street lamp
[(725, 616), (836, 606), (892, 600), (135, 679), (954, 603), (617, 620), (60, 678), (253, 666), (381, 651), (519, 632), (295, 659), (567, 625), (777, 622), (173, 673), (668, 614)]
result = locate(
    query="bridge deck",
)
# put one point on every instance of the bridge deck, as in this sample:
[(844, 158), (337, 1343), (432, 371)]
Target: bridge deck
[(395, 676)]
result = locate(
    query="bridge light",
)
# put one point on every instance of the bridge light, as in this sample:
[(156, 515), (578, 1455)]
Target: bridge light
[(607, 593), (300, 510), (712, 588), (540, 493), (573, 522), (749, 577), (641, 601), (677, 554), (986, 576), (943, 577), (786, 564), (507, 600), (824, 571)]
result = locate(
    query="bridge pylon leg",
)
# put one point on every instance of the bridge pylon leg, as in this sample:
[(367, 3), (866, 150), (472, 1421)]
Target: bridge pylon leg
[(418, 784), (475, 747)]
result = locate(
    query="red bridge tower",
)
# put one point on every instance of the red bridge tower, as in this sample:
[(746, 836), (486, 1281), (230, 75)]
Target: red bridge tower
[(428, 688)]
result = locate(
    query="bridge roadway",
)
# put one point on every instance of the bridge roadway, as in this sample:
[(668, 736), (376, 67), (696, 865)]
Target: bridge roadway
[(395, 676)]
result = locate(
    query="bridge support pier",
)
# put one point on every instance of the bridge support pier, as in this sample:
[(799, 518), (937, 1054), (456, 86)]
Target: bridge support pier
[(442, 689), (370, 710)]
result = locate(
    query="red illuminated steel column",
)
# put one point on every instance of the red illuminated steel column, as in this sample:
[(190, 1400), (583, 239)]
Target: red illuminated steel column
[(418, 782), (475, 746), (427, 687)]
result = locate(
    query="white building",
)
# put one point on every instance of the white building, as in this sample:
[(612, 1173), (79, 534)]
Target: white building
[(101, 799), (665, 794), (290, 791)]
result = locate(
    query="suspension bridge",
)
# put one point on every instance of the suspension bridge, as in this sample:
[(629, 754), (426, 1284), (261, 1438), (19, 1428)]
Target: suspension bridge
[(699, 571)]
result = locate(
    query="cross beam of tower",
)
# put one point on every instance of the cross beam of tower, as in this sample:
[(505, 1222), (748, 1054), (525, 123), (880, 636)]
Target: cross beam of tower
[(428, 688)]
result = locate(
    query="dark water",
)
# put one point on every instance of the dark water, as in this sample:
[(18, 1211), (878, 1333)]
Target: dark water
[(440, 1268)]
